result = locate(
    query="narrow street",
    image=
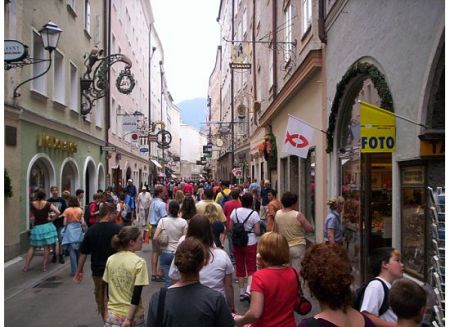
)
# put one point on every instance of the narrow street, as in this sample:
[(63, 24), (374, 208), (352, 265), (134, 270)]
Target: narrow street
[(38, 299)]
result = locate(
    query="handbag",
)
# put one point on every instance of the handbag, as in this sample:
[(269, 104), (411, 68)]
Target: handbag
[(163, 238), (303, 306)]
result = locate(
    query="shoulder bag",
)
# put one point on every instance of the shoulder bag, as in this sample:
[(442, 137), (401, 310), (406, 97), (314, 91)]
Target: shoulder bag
[(163, 238), (303, 306)]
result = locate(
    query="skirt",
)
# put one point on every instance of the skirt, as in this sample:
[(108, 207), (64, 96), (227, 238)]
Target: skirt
[(43, 235)]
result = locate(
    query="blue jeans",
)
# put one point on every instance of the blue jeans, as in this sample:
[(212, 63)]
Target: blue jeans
[(74, 253), (165, 260), (230, 248)]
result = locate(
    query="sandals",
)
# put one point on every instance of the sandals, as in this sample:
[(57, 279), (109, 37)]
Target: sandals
[(156, 278), (25, 269)]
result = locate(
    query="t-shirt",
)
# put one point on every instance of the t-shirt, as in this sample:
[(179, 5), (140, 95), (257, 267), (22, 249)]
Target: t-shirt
[(188, 188), (242, 214), (201, 206), (175, 228), (333, 221), (123, 271), (228, 207), (373, 299), (191, 305), (213, 274), (218, 228), (144, 200), (289, 226), (157, 211), (325, 323), (279, 287), (61, 205), (97, 243)]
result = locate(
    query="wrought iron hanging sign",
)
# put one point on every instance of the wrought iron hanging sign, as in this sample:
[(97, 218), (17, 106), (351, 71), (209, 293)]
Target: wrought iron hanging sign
[(94, 82)]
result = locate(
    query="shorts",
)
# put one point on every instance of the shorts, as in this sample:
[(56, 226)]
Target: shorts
[(100, 295), (116, 320)]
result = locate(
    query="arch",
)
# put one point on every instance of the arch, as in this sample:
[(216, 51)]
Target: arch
[(101, 176), (436, 70), (364, 67), (45, 163), (69, 163), (89, 178)]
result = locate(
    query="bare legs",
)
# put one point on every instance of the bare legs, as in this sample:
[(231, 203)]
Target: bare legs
[(30, 255)]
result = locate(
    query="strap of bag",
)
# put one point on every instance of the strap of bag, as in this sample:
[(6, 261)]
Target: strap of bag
[(299, 287), (161, 304)]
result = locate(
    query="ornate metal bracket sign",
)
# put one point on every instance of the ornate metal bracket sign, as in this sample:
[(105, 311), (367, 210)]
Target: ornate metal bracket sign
[(164, 138), (94, 82)]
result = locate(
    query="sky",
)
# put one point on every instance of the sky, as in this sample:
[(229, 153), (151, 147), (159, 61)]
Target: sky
[(190, 35)]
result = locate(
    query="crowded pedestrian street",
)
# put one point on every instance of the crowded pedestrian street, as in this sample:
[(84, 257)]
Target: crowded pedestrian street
[(224, 163)]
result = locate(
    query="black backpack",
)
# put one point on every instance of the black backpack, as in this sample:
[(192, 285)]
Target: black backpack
[(239, 236), (360, 297)]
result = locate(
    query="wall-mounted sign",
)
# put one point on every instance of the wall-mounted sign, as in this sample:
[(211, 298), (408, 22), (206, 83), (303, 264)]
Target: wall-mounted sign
[(413, 176), (54, 143), (129, 123), (432, 148), (14, 51), (143, 150), (241, 56), (108, 148), (125, 82), (377, 129)]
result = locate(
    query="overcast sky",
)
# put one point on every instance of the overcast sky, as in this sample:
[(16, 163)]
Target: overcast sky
[(190, 35)]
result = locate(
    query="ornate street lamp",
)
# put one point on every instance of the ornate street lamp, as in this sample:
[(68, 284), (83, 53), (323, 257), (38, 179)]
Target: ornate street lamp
[(50, 34)]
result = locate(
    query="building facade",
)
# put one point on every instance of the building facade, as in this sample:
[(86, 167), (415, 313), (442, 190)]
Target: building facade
[(391, 61), (48, 143)]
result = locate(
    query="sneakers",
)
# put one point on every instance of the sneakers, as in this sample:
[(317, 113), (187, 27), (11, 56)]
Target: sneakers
[(61, 259)]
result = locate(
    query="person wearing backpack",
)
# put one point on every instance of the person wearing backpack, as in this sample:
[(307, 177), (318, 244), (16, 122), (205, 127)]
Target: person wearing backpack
[(223, 194), (245, 226), (387, 267)]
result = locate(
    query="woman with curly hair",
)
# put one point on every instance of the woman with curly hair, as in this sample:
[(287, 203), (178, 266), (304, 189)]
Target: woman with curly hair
[(188, 209), (179, 197), (273, 294), (327, 270)]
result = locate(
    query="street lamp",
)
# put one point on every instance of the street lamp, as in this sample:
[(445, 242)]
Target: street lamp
[(50, 34)]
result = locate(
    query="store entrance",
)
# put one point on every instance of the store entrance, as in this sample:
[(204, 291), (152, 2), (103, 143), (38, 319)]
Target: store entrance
[(376, 208)]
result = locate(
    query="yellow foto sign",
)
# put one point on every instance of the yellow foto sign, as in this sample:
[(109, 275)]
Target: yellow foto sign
[(377, 129)]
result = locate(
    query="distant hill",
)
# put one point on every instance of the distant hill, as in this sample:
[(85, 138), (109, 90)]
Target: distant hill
[(193, 112)]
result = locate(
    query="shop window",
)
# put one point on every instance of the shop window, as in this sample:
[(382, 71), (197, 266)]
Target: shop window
[(39, 84), (413, 220), (59, 84)]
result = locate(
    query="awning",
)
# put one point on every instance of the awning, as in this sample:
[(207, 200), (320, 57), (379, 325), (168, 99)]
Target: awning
[(156, 163)]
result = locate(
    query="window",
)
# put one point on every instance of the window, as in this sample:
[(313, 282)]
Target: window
[(39, 84), (74, 94), (58, 78), (87, 16), (307, 13), (71, 7), (288, 32)]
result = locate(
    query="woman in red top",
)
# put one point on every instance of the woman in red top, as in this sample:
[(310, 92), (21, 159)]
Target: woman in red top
[(273, 298)]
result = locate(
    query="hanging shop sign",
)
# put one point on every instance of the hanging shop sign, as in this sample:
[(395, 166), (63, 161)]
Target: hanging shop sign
[(51, 142), (241, 56), (377, 129), (164, 138), (433, 148), (14, 51), (129, 123)]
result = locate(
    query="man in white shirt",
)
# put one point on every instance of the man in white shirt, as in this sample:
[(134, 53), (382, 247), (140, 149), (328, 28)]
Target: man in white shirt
[(387, 266), (143, 205)]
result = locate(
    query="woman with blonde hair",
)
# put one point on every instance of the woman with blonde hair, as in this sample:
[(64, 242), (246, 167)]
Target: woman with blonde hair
[(126, 274), (218, 228), (332, 229), (179, 197), (273, 292)]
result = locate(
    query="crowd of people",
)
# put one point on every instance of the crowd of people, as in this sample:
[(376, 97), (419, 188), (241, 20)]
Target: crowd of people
[(204, 233)]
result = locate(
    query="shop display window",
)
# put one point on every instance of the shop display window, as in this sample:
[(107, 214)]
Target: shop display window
[(413, 232)]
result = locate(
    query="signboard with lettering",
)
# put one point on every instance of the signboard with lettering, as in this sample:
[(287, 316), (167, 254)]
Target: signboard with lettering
[(377, 129), (129, 123), (434, 148), (14, 51)]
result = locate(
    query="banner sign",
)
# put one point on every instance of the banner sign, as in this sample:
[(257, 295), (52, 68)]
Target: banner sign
[(298, 137), (129, 123), (377, 129)]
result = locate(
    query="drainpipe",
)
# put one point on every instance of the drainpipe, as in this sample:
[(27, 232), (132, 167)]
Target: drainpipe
[(274, 29), (107, 42), (232, 97)]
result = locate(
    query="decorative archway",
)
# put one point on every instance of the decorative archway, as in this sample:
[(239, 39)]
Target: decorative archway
[(90, 178), (357, 70), (70, 176), (41, 173), (101, 176)]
